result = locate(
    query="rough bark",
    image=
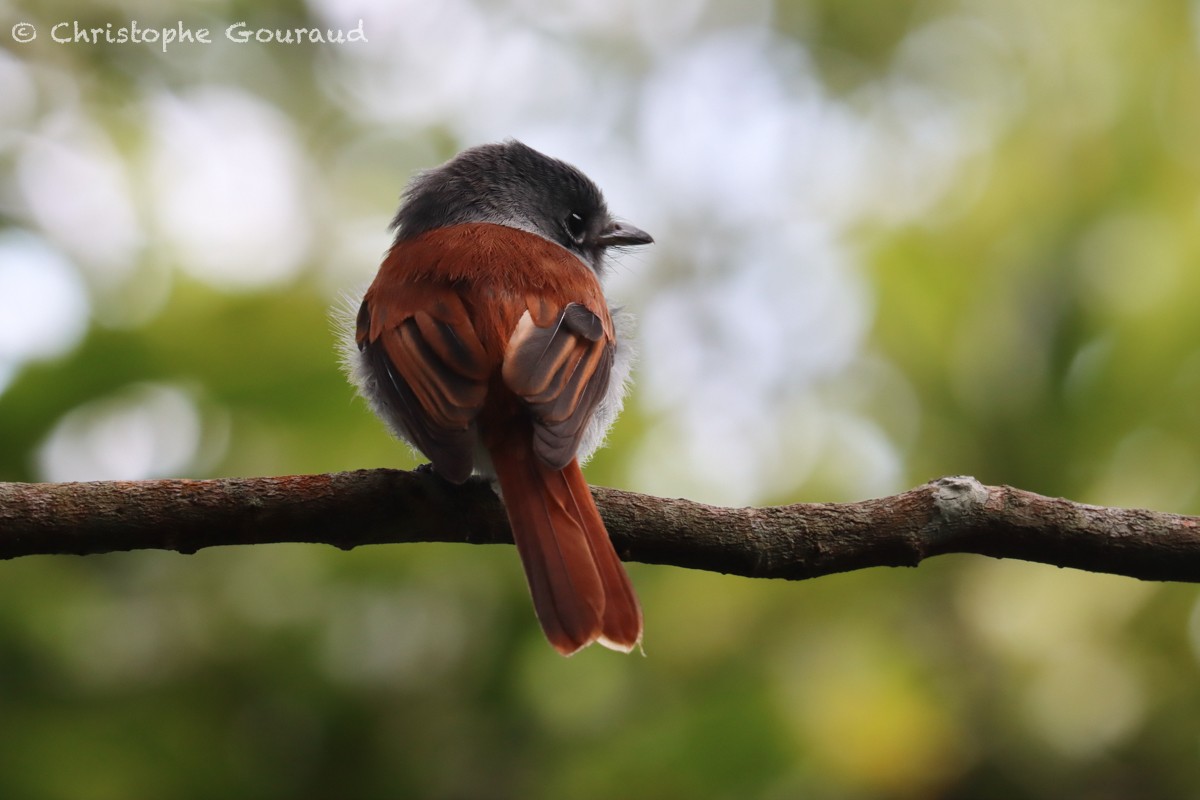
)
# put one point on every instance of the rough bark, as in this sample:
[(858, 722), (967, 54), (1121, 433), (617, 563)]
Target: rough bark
[(804, 540)]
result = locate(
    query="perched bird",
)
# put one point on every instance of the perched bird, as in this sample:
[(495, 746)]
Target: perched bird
[(486, 343)]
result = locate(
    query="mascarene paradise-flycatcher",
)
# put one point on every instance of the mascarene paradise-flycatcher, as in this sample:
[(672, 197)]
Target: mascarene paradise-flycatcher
[(486, 342)]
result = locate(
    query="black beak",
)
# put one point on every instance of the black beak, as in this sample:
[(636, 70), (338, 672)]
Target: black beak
[(622, 234)]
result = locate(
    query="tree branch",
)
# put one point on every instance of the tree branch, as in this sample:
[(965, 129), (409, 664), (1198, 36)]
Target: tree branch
[(348, 509)]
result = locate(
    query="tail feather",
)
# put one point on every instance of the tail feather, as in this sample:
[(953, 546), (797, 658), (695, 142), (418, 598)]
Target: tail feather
[(580, 590), (621, 627)]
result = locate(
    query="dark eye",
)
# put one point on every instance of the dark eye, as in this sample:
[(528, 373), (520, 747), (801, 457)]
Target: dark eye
[(576, 227)]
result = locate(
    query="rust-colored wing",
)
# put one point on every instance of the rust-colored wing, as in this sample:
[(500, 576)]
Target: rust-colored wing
[(452, 308), (431, 371), (561, 371)]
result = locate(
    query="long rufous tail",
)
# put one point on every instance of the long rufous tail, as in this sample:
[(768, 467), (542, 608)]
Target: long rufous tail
[(580, 590)]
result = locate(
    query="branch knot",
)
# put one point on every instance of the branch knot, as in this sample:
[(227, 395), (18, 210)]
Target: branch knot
[(955, 499)]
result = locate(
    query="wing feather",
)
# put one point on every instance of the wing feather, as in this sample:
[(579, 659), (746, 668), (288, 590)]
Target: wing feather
[(436, 370), (561, 372)]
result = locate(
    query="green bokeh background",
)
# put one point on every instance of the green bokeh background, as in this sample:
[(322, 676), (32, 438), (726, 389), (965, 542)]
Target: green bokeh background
[(1035, 324)]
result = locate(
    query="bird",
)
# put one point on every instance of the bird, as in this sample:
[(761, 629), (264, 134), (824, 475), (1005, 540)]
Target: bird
[(486, 342)]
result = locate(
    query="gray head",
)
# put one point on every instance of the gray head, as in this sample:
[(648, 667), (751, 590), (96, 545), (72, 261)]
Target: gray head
[(514, 185)]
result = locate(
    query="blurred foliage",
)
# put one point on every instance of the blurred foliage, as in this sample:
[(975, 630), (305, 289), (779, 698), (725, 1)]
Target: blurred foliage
[(1004, 285)]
